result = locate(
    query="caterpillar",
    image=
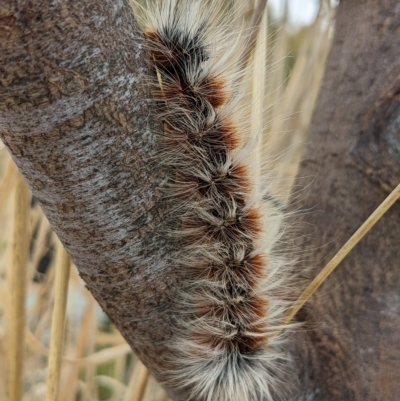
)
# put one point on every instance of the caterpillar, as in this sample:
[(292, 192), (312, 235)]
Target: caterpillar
[(236, 287)]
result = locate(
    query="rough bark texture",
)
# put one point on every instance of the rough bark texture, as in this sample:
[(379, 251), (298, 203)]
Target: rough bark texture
[(352, 348), (75, 117)]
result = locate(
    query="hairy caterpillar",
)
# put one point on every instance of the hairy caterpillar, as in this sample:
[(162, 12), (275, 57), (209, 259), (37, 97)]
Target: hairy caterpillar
[(236, 289)]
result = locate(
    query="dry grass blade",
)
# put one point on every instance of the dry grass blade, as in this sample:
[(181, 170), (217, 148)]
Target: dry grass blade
[(17, 279), (7, 184), (112, 384), (258, 91), (71, 383), (291, 98), (255, 24), (343, 252), (137, 384), (110, 339), (63, 265), (120, 363), (102, 356)]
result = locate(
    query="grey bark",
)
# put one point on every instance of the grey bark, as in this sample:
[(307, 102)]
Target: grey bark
[(75, 116), (351, 350)]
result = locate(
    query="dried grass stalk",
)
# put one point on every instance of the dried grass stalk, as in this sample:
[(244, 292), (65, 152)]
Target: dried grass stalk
[(343, 252), (258, 90), (137, 384), (63, 265), (17, 281), (7, 183)]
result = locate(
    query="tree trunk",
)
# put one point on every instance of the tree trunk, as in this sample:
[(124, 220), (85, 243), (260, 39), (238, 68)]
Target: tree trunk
[(353, 157), (75, 118)]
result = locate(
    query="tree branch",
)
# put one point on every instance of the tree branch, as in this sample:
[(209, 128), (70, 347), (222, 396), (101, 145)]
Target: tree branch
[(352, 351)]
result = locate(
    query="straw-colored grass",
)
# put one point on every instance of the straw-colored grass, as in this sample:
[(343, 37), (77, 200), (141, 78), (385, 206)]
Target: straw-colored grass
[(17, 286), (341, 254), (55, 343), (63, 264)]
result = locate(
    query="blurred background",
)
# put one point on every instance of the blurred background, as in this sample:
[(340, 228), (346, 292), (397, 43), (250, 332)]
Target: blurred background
[(97, 364)]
